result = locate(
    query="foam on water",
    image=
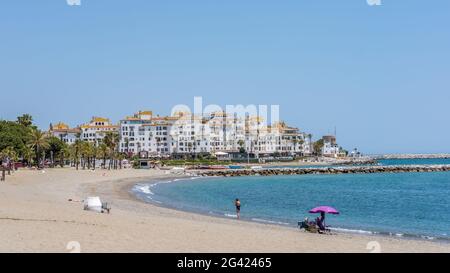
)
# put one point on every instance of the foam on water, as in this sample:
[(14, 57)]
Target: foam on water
[(270, 222), (144, 188), (358, 231)]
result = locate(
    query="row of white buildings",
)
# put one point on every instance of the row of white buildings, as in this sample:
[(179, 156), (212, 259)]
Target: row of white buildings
[(187, 134)]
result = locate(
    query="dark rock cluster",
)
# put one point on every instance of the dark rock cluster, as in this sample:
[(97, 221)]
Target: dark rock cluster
[(328, 170)]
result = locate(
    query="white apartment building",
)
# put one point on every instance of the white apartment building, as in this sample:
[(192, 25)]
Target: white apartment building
[(64, 132), (187, 134), (178, 134), (280, 139), (96, 129), (330, 147)]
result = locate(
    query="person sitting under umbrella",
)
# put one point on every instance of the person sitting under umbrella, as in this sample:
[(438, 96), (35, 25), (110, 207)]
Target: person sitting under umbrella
[(320, 221)]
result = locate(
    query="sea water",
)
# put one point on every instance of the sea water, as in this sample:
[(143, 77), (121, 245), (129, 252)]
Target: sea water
[(396, 204)]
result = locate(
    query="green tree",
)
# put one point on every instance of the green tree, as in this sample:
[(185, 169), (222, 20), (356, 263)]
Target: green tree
[(76, 152), (14, 135), (241, 144), (9, 156), (25, 120), (94, 153), (38, 141), (54, 148), (63, 154), (86, 154), (28, 155), (111, 140), (318, 145), (103, 152)]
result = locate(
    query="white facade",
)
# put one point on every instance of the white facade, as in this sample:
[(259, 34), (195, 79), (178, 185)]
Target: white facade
[(188, 134), (96, 129), (64, 133), (330, 147)]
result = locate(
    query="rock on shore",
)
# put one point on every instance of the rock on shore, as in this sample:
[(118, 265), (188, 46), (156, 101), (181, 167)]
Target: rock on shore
[(328, 170)]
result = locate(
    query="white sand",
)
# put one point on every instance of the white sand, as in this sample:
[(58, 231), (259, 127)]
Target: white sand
[(36, 216)]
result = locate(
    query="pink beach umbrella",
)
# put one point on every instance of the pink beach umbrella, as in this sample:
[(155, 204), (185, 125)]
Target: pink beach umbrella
[(325, 209)]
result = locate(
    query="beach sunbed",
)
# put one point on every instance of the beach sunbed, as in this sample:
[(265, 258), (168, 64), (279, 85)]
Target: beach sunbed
[(308, 226), (106, 207)]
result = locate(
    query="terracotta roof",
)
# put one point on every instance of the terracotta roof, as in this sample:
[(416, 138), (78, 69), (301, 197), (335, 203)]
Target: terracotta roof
[(99, 119), (60, 126), (99, 126), (75, 131)]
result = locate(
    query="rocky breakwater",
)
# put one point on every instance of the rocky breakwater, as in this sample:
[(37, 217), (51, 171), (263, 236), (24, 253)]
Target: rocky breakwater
[(328, 170)]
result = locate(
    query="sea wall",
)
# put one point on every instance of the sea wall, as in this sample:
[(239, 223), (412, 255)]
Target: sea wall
[(328, 170)]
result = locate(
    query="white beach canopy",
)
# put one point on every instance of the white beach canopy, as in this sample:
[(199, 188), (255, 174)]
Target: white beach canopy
[(93, 204)]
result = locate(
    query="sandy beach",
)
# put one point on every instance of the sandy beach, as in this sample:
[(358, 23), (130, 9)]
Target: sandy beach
[(36, 216)]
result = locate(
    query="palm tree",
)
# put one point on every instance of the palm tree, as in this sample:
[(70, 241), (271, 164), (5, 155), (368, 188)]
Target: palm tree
[(127, 144), (76, 148), (10, 156), (87, 153), (121, 157), (241, 144), (294, 141), (318, 145), (103, 153), (25, 120), (63, 154), (28, 154), (38, 142), (94, 154), (111, 140)]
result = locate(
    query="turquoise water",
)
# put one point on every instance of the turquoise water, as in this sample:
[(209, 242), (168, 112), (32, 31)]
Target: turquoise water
[(383, 162), (403, 204), (431, 161)]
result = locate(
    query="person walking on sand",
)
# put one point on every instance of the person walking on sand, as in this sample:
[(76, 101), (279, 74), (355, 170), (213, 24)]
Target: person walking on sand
[(237, 203)]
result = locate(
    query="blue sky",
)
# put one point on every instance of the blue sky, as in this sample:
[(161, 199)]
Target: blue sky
[(379, 74)]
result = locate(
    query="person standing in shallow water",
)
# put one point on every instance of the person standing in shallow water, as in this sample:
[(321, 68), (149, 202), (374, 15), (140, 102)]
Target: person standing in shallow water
[(237, 203)]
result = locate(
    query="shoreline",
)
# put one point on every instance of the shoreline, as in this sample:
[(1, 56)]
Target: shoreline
[(338, 231), (36, 216)]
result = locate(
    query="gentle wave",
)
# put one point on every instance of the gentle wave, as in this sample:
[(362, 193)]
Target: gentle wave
[(270, 222), (359, 231), (144, 188), (390, 234), (148, 193)]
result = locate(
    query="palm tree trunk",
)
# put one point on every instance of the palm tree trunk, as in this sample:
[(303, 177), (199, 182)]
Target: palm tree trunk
[(61, 163), (76, 158), (37, 158)]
